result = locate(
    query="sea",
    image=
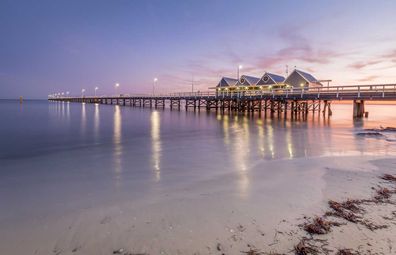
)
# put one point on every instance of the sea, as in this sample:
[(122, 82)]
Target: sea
[(59, 158)]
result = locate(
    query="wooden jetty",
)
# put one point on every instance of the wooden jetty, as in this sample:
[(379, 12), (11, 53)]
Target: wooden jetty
[(277, 101)]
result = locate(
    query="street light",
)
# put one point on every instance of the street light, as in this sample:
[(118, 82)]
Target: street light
[(154, 83), (239, 68), (116, 88), (96, 88), (82, 92), (67, 93)]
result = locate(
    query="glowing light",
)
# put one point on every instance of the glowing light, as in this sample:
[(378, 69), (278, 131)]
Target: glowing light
[(96, 121), (156, 144), (117, 143)]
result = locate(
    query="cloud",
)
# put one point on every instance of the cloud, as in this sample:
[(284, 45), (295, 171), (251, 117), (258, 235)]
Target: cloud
[(369, 78), (298, 48), (386, 57), (361, 64), (390, 56)]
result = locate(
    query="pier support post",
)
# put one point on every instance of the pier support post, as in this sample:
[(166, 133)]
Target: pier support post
[(272, 108), (285, 110), (324, 107), (358, 108), (327, 106)]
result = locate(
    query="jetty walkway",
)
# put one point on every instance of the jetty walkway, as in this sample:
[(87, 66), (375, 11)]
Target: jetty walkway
[(276, 101)]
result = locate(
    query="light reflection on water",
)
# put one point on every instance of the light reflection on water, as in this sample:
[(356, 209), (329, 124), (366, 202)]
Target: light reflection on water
[(83, 119), (241, 150), (158, 143), (116, 152), (96, 122), (117, 142)]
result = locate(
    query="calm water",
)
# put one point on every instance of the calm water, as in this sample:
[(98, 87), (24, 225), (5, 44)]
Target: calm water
[(58, 157)]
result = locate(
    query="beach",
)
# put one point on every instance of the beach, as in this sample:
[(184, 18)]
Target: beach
[(211, 218), (207, 185)]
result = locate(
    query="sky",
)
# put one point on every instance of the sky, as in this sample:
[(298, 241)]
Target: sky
[(68, 45)]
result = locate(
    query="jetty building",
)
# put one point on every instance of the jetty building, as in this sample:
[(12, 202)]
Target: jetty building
[(269, 81)]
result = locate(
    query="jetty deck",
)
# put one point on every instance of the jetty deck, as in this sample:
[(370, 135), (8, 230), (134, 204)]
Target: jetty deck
[(292, 100)]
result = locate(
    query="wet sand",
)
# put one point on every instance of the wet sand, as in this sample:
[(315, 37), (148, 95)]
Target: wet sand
[(223, 214)]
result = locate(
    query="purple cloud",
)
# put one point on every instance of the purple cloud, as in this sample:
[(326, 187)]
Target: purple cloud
[(297, 48), (361, 64), (386, 57)]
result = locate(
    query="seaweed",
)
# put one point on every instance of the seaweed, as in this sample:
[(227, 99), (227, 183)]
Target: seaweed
[(383, 193), (320, 226), (388, 177), (347, 252), (302, 248), (254, 252)]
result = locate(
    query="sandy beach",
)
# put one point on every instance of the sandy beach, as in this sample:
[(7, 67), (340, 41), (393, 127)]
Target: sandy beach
[(211, 218)]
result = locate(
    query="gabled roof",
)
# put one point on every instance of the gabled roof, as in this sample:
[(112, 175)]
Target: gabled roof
[(273, 79), (276, 78), (226, 82), (248, 80), (307, 76)]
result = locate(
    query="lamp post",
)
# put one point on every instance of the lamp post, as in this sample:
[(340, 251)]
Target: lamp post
[(96, 88), (239, 68), (154, 83), (116, 88), (67, 93), (82, 92)]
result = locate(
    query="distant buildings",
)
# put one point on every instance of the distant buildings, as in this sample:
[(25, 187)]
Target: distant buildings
[(296, 79)]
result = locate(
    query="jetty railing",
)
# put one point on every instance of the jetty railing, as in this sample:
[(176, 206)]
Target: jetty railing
[(335, 92)]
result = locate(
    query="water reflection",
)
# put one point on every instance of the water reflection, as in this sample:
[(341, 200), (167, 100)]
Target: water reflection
[(241, 151), (270, 135), (63, 109), (261, 138), (117, 142), (225, 128), (289, 141), (83, 119), (68, 111), (271, 138), (96, 122), (155, 144)]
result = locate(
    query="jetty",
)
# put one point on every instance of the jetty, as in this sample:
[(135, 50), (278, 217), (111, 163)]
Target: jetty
[(286, 100)]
